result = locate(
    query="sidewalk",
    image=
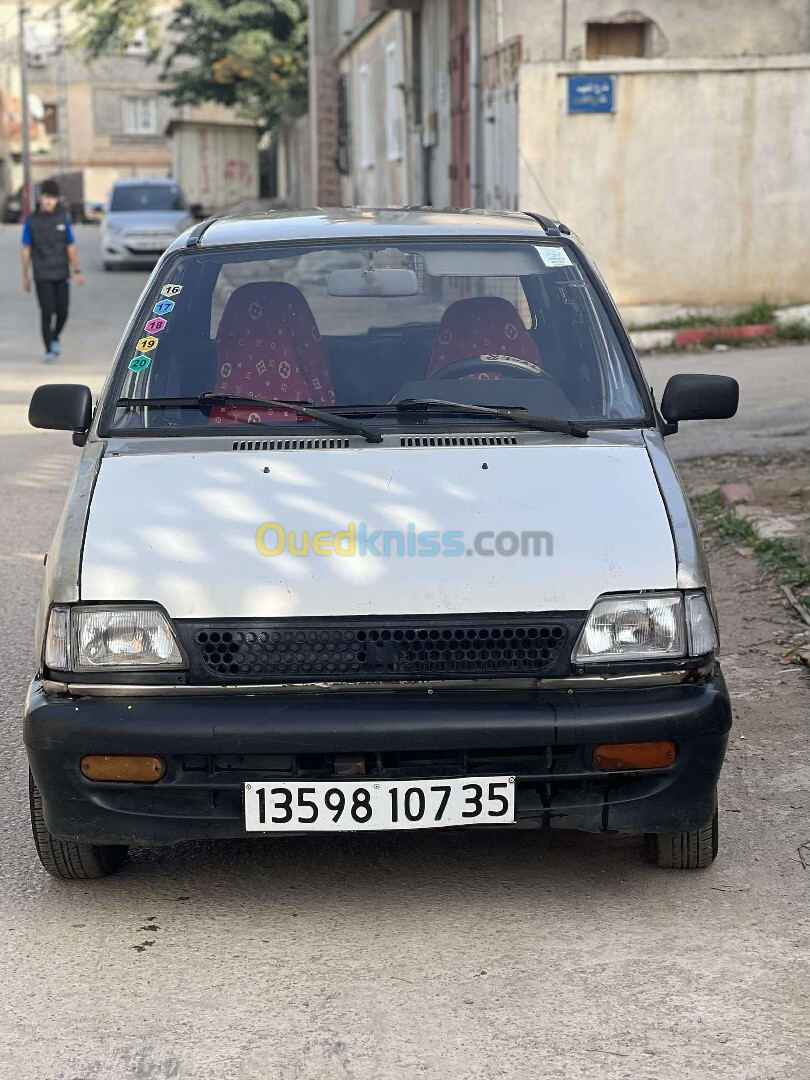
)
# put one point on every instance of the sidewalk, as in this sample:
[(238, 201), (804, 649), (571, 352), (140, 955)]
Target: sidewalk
[(788, 324)]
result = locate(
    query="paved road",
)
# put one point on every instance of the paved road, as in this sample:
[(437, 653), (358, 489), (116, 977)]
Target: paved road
[(463, 957), (774, 412)]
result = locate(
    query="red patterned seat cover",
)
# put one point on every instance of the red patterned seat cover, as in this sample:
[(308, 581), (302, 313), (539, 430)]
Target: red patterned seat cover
[(268, 345), (479, 326)]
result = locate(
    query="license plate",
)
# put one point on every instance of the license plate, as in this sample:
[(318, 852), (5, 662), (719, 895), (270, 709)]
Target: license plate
[(355, 806), (147, 243)]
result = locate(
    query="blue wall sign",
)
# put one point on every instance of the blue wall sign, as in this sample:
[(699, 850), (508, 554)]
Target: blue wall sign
[(591, 93)]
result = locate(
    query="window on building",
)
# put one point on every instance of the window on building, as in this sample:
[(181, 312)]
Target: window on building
[(140, 116), (139, 45), (343, 159), (51, 119), (366, 144), (616, 39), (394, 101)]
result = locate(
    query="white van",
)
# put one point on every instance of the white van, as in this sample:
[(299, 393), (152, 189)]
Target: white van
[(375, 528)]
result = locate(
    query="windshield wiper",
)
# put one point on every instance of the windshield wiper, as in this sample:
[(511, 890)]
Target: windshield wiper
[(210, 400), (518, 415)]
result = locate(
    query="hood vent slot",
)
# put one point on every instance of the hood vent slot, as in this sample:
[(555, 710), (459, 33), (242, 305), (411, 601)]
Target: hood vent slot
[(292, 444), (458, 440)]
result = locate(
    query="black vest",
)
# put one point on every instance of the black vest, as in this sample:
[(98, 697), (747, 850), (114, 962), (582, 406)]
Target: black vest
[(49, 245)]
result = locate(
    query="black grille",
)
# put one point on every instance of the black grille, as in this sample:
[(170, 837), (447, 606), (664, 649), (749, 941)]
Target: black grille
[(253, 651), (292, 444)]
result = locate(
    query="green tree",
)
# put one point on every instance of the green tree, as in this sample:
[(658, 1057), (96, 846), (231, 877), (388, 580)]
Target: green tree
[(247, 54)]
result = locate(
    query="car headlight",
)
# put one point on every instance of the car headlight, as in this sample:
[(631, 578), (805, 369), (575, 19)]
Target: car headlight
[(658, 626), (113, 230), (104, 638)]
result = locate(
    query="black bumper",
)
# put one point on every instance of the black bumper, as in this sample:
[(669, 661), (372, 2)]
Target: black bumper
[(214, 744)]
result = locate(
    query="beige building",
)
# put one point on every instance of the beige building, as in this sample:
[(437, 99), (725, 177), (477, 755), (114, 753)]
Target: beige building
[(674, 138), (106, 120)]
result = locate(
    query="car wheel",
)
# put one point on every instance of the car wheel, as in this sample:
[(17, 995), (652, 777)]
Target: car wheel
[(690, 850), (67, 861), (109, 267)]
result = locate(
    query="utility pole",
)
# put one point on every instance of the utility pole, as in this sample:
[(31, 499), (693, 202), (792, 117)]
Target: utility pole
[(24, 117), (63, 119)]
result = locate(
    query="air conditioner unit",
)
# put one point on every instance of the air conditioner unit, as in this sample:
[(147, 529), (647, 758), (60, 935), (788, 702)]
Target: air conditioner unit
[(139, 46), (38, 59)]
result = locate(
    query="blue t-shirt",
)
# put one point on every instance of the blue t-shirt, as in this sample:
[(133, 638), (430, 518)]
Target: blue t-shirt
[(26, 235)]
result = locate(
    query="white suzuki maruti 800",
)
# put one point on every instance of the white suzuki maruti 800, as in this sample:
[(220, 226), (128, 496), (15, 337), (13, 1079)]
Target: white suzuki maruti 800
[(375, 528)]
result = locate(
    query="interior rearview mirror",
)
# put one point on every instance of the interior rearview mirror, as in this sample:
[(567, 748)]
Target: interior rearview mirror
[(371, 282), (62, 407), (699, 397)]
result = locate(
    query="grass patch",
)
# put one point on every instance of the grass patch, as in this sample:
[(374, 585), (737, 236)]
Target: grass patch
[(785, 561), (763, 311), (794, 331)]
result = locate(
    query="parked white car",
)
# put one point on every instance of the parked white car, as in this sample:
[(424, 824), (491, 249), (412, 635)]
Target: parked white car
[(142, 218), (375, 528)]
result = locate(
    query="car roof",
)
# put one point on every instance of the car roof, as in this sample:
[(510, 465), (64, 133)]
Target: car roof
[(149, 181), (353, 223)]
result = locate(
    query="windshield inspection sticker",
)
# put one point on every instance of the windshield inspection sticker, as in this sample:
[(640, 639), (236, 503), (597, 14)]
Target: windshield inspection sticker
[(155, 326), (147, 344), (171, 290), (140, 363), (554, 256), (163, 307)]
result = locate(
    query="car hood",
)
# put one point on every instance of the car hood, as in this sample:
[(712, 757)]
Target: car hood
[(180, 529), (148, 219)]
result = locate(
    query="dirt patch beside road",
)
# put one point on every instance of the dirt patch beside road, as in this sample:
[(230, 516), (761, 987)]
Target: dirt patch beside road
[(766, 781)]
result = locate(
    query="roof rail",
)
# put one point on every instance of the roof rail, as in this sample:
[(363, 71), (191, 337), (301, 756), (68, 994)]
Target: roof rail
[(196, 234), (553, 228)]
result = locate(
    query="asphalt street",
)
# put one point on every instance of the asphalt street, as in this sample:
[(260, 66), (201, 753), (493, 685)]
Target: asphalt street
[(455, 957)]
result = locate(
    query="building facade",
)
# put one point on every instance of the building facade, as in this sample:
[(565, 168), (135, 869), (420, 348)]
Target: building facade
[(105, 121), (674, 138)]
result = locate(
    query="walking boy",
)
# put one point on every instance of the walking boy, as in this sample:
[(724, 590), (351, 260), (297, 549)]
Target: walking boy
[(49, 244)]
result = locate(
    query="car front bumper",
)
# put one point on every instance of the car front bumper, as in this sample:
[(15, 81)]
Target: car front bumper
[(116, 251), (214, 744)]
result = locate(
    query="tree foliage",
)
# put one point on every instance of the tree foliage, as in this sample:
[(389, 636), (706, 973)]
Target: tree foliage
[(247, 54)]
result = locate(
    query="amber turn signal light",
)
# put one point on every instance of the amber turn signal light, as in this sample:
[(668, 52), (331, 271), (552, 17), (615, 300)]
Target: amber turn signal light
[(128, 768), (612, 757)]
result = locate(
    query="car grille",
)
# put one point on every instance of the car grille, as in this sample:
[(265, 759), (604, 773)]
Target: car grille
[(563, 763), (381, 649)]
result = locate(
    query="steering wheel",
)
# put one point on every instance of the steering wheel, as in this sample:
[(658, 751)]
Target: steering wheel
[(477, 365), (510, 365)]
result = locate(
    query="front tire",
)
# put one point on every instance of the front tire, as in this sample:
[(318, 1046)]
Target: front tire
[(67, 861), (690, 850)]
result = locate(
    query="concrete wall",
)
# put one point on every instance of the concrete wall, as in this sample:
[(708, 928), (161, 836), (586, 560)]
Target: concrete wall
[(294, 162), (696, 190), (435, 74), (378, 181), (709, 28)]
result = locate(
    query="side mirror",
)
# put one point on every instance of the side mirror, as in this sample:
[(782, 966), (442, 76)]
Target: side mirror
[(62, 407), (699, 397), (197, 211)]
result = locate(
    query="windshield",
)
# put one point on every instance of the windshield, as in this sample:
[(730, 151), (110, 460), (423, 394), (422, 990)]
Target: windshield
[(356, 329), (129, 198)]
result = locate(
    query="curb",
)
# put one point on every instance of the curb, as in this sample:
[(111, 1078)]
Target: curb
[(684, 338), (650, 340)]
